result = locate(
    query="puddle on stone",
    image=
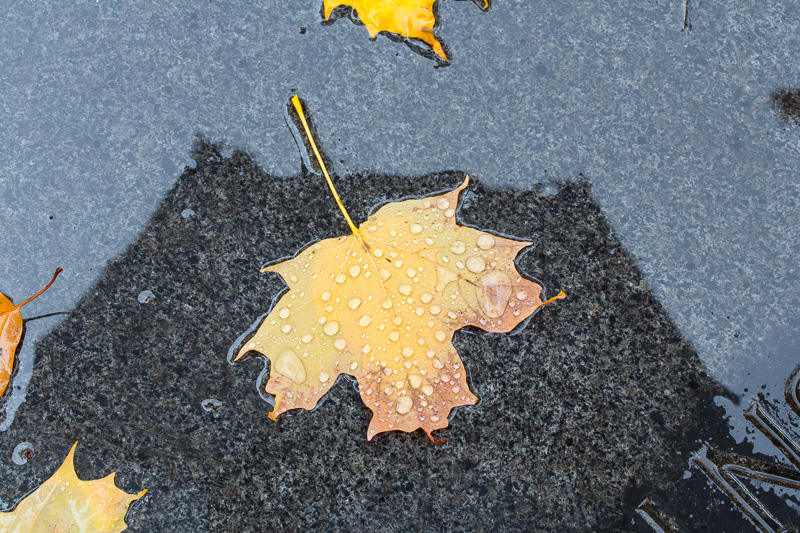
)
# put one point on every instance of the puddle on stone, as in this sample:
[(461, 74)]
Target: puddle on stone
[(23, 452), (146, 297), (211, 405)]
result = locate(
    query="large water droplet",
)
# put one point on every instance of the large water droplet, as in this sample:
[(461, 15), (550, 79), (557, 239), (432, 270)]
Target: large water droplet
[(365, 321), (404, 404), (355, 270), (444, 277), (493, 291), (416, 229), (476, 264), (415, 381), (354, 303), (485, 241), (405, 290), (340, 344), (331, 327), (290, 366), (457, 247), (284, 313)]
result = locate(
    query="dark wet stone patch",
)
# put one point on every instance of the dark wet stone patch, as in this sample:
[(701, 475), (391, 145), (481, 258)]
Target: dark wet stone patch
[(594, 404), (787, 103)]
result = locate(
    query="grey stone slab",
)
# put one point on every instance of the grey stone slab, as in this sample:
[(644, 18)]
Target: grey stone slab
[(99, 100), (690, 164)]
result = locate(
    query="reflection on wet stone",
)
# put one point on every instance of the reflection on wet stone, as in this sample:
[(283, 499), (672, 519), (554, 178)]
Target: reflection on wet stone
[(572, 432)]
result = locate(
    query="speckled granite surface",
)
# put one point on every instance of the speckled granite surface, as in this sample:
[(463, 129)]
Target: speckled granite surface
[(689, 163), (591, 406)]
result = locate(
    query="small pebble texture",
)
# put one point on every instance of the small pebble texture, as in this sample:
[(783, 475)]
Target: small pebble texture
[(592, 405)]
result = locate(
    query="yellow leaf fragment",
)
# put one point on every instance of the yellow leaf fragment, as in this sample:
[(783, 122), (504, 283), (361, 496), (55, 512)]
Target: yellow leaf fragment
[(10, 334), (382, 307), (412, 19), (65, 504)]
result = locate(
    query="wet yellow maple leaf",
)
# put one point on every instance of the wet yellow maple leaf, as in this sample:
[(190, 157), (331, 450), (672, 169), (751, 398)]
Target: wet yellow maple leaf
[(66, 504), (412, 19), (382, 305), (11, 332)]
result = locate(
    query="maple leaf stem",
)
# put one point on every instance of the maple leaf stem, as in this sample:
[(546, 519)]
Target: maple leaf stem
[(59, 270), (558, 296), (299, 108)]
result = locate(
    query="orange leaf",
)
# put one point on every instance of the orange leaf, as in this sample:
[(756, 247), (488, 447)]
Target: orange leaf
[(412, 19), (382, 305), (66, 503), (11, 332)]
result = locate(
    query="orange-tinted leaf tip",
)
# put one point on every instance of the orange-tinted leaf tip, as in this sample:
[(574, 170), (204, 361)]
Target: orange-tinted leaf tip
[(435, 442)]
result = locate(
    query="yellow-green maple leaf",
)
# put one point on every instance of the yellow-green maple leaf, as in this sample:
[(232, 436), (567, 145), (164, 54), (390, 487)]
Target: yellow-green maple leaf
[(382, 305), (66, 504)]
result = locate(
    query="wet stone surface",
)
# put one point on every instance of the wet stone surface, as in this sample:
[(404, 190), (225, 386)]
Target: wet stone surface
[(592, 405)]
